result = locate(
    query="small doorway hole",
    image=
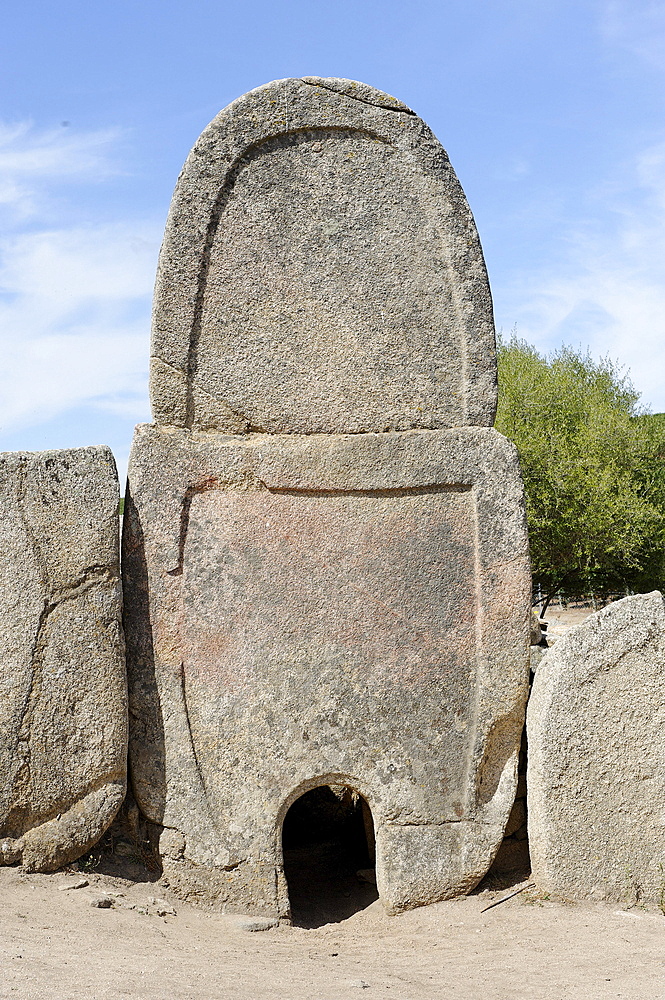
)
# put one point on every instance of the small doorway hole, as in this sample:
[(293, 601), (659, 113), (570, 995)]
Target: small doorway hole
[(329, 856)]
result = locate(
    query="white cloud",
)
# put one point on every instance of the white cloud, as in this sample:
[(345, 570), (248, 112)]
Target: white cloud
[(74, 299), (74, 320), (33, 160), (609, 294), (62, 269), (637, 26)]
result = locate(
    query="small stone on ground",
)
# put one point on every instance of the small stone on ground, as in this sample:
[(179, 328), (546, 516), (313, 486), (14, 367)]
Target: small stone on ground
[(80, 883), (101, 902)]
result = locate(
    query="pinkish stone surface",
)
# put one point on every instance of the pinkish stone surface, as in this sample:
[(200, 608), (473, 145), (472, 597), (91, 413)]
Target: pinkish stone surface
[(348, 609)]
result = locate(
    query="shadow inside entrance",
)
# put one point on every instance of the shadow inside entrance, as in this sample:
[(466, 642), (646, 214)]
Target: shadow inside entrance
[(328, 845)]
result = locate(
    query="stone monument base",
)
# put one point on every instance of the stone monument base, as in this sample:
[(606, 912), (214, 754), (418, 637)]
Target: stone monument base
[(347, 610)]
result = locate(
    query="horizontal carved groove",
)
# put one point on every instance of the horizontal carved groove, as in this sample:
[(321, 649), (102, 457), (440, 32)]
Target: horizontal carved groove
[(396, 491)]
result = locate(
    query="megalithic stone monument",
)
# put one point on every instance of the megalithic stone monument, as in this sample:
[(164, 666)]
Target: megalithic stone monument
[(596, 773), (325, 549), (63, 692)]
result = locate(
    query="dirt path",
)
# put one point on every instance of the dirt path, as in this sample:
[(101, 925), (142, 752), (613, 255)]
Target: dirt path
[(55, 945), (561, 619)]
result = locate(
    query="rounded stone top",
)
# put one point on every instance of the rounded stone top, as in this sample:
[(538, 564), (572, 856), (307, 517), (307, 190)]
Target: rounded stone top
[(321, 273)]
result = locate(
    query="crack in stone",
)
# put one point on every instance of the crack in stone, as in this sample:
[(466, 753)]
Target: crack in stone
[(316, 81), (90, 577), (22, 778), (441, 822)]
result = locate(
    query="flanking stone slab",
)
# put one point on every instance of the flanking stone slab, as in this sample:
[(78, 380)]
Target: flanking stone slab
[(313, 609), (596, 772), (63, 726), (321, 273)]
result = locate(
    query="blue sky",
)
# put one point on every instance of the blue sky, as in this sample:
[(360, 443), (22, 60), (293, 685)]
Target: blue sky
[(551, 112)]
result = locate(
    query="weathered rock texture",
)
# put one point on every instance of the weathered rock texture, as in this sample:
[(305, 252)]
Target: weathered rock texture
[(348, 609), (63, 728), (321, 272), (596, 771), (350, 606)]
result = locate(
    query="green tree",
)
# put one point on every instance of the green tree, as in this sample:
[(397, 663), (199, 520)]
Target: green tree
[(593, 464)]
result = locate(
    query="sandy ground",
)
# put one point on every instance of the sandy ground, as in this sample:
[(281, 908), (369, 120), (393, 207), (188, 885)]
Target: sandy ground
[(56, 945), (561, 619)]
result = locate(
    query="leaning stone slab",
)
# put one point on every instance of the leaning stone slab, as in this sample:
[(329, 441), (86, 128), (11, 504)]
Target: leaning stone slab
[(596, 772), (321, 273), (63, 729), (312, 609)]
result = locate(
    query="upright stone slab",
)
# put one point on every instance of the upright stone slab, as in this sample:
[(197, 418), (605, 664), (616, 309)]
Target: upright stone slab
[(321, 273), (325, 551), (596, 778), (63, 726)]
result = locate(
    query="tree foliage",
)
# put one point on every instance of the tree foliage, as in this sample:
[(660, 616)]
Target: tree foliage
[(593, 464)]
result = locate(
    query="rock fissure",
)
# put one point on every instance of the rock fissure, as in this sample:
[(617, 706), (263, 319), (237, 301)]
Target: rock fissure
[(22, 779), (377, 102), (65, 776)]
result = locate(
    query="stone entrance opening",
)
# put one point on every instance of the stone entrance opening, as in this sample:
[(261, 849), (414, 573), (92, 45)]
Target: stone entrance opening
[(329, 856)]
